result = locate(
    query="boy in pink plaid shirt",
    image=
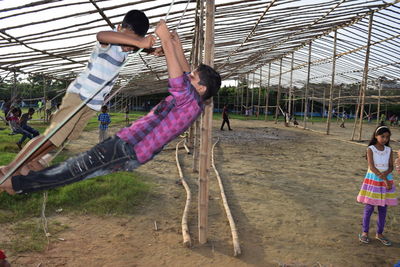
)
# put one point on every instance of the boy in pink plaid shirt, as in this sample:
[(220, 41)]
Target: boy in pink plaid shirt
[(145, 138)]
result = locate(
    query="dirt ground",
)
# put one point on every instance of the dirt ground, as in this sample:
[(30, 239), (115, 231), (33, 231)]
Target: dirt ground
[(292, 193)]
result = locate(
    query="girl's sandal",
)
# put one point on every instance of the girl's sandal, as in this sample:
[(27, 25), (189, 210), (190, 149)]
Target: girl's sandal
[(384, 241), (363, 238)]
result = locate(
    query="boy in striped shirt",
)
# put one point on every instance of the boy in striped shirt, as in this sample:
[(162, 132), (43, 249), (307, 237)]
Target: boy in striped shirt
[(145, 138), (105, 62)]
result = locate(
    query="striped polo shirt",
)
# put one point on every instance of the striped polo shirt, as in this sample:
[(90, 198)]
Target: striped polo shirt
[(166, 121), (101, 72)]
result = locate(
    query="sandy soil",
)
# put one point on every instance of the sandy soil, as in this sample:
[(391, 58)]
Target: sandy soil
[(292, 193)]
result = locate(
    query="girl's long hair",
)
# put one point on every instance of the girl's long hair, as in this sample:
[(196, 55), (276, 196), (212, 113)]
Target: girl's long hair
[(379, 131)]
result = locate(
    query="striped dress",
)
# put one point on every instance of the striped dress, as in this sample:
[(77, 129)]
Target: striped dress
[(373, 190)]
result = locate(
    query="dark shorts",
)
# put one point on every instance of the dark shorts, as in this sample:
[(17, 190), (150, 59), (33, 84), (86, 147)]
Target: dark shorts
[(111, 155)]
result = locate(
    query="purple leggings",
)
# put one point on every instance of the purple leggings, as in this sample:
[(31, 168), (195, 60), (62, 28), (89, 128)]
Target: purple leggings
[(368, 210)]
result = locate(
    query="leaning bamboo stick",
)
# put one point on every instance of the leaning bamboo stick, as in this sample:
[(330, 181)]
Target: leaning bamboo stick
[(185, 228), (235, 236)]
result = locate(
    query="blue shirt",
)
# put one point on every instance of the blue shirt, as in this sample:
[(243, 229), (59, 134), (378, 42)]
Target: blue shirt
[(104, 117)]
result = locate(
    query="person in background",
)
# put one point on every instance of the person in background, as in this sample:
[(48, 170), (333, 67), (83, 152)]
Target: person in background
[(126, 115), (225, 118), (23, 122), (105, 120)]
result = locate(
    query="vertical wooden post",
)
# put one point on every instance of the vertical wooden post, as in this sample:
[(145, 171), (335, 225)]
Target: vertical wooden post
[(291, 86), (241, 94), (259, 95), (198, 57), (252, 94), (330, 107), (206, 137), (378, 112), (357, 111), (338, 104), (278, 95), (247, 91), (307, 82), (267, 92), (365, 74), (15, 90)]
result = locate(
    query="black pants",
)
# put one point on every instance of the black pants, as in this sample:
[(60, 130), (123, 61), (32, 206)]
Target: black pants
[(227, 122), (109, 156)]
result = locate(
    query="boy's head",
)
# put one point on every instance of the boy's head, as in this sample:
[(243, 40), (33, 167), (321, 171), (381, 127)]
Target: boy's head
[(104, 109), (136, 21), (206, 81), (31, 111), (16, 112)]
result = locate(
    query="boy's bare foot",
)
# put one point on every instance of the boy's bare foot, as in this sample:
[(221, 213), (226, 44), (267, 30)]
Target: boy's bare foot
[(7, 185)]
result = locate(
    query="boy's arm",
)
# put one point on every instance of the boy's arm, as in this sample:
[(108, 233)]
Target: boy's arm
[(111, 37), (174, 68), (179, 52)]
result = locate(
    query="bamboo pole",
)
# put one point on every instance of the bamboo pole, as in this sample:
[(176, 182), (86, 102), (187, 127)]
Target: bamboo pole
[(328, 121), (185, 228), (306, 91), (247, 92), (259, 95), (235, 235), (206, 136), (198, 57), (278, 94), (291, 87), (365, 74), (378, 113), (338, 104), (267, 89), (252, 95), (357, 112)]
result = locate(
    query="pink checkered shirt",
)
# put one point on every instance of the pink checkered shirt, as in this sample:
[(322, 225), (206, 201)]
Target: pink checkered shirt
[(166, 121)]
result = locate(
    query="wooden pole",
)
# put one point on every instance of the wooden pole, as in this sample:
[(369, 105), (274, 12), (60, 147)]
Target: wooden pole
[(365, 74), (267, 91), (198, 57), (328, 121), (252, 95), (378, 113), (247, 92), (206, 137), (278, 95), (338, 104), (291, 87), (259, 95), (357, 109), (241, 95), (307, 82)]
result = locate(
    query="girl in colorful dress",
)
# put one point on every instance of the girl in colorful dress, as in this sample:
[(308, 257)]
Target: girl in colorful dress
[(378, 188)]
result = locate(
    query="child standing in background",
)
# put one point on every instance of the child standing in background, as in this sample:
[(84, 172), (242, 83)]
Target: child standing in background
[(104, 120), (378, 188)]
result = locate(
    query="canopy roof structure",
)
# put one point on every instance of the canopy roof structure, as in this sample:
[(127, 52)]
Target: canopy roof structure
[(55, 38)]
